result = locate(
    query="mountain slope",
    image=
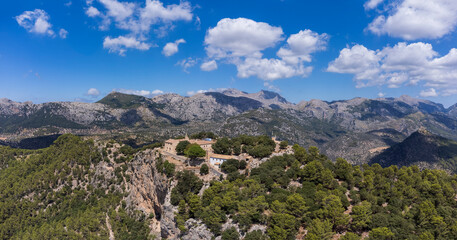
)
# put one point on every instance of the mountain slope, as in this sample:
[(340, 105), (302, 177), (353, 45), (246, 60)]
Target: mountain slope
[(355, 129), (421, 148)]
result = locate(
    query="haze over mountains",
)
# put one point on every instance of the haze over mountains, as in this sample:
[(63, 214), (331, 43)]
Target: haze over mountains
[(357, 129)]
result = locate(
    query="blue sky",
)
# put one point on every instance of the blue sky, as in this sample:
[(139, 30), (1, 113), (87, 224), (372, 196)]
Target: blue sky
[(66, 50)]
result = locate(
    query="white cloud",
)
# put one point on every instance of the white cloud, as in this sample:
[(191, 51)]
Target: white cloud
[(242, 41), (139, 19), (271, 87), (371, 4), (63, 33), (415, 19), (270, 69), (403, 64), (118, 10), (428, 93), (301, 45), (92, 12), (121, 43), (36, 21), (187, 63), (240, 37), (144, 93), (93, 92), (171, 48), (381, 95), (361, 62), (209, 66), (154, 11), (68, 4), (191, 93)]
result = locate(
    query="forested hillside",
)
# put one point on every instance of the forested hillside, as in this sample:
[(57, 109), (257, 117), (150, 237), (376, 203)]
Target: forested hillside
[(53, 194), (81, 189)]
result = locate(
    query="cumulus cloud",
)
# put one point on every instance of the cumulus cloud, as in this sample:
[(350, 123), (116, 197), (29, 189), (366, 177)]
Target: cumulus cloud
[(36, 21), (118, 10), (93, 92), (240, 37), (209, 66), (242, 41), (300, 46), (415, 19), (139, 19), (381, 94), (187, 63), (191, 93), (431, 92), (154, 12), (371, 4), (122, 43), (63, 33), (400, 65), (92, 12), (144, 93), (270, 69), (171, 48), (361, 62)]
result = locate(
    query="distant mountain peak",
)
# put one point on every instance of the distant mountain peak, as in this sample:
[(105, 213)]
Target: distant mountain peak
[(271, 95), (233, 91), (122, 100), (5, 100)]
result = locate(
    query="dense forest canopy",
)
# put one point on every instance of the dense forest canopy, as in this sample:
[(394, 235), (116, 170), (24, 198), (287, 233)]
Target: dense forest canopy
[(291, 193)]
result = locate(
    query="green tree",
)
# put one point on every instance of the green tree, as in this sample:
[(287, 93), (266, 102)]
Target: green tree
[(204, 169), (230, 166), (332, 209), (343, 170), (320, 229), (195, 205), (300, 153), (181, 147), (381, 233), (251, 211), (230, 234), (187, 183), (255, 235), (283, 144), (426, 236), (194, 151), (361, 216), (261, 151), (282, 226), (222, 146), (296, 205)]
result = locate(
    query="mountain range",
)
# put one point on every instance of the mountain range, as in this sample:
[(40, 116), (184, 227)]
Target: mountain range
[(357, 129)]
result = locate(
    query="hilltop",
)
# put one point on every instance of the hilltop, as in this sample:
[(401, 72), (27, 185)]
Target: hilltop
[(424, 149)]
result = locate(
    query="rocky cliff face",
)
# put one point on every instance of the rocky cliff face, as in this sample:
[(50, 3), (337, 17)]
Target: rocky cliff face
[(149, 191)]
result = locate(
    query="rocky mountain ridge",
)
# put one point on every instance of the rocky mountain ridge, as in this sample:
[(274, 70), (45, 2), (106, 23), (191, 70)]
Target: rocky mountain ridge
[(355, 128)]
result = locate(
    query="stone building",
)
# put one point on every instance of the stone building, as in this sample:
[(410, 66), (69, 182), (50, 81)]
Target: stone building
[(206, 144)]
